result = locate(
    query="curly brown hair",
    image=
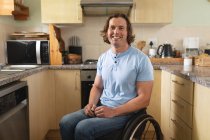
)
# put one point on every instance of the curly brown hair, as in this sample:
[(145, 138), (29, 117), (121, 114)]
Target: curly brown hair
[(130, 37)]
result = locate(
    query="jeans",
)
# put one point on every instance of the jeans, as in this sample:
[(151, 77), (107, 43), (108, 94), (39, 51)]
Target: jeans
[(78, 126)]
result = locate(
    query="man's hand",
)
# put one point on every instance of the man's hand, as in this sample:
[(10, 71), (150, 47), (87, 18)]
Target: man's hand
[(89, 110), (104, 112)]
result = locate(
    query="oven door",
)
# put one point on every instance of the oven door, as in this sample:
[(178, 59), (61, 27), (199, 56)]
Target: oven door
[(13, 124), (14, 111)]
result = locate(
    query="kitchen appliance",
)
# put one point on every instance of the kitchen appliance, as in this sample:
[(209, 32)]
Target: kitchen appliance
[(14, 111), (28, 52), (207, 51), (191, 46), (87, 79), (90, 61), (165, 50), (106, 7)]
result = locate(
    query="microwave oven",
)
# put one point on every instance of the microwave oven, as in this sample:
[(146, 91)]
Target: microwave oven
[(28, 52)]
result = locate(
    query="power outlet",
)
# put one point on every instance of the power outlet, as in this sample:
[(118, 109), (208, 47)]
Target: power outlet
[(154, 41)]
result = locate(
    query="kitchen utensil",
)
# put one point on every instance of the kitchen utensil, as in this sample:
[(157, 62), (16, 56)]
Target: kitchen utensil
[(141, 45), (74, 41), (165, 50)]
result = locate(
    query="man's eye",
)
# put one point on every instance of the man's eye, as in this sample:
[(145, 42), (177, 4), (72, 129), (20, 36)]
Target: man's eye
[(112, 27), (121, 28)]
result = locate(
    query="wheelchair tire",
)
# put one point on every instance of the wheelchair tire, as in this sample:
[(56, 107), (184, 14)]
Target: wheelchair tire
[(136, 129)]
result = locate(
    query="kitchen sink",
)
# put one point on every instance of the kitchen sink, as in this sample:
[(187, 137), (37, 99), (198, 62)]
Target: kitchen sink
[(16, 68), (7, 70)]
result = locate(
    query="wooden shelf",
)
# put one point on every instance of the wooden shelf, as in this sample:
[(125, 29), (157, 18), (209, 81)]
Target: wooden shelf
[(21, 12)]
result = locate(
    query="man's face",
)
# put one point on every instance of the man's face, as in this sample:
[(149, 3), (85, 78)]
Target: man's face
[(117, 32)]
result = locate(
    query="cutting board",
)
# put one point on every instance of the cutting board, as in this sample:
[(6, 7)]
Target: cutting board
[(55, 54), (167, 61)]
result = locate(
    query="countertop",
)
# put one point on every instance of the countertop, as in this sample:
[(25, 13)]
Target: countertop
[(200, 75)]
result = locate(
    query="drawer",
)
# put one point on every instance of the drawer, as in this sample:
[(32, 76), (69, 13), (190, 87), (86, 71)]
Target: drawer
[(182, 109), (178, 129), (182, 88)]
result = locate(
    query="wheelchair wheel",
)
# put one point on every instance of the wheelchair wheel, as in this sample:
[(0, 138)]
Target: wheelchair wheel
[(144, 127)]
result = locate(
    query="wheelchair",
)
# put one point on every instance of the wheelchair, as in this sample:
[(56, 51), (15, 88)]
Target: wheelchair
[(140, 126)]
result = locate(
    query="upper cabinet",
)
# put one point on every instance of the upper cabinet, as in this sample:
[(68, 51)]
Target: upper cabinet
[(152, 11), (61, 11), (6, 7)]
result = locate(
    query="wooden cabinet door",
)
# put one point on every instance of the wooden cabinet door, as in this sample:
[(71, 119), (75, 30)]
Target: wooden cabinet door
[(67, 92), (165, 103), (61, 11), (201, 113), (155, 101), (152, 11), (41, 104), (6, 7)]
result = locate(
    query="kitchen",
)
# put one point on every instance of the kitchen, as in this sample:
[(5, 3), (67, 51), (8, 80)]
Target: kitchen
[(187, 21)]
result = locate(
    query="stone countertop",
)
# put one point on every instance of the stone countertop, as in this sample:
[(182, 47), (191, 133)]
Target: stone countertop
[(200, 75), (22, 74)]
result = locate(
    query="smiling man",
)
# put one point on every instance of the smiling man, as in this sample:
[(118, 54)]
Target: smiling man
[(122, 86)]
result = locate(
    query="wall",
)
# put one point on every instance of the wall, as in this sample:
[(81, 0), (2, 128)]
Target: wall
[(190, 18)]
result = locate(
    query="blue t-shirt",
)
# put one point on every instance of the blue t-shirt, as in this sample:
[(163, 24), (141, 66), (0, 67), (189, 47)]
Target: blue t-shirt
[(120, 73)]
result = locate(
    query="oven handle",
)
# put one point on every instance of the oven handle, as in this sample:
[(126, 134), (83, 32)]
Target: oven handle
[(14, 110)]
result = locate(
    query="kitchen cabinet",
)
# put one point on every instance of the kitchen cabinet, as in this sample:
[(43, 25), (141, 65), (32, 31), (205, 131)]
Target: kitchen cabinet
[(181, 108), (201, 113), (41, 104), (61, 11), (155, 101), (152, 11), (67, 92), (165, 103), (6, 7), (176, 107)]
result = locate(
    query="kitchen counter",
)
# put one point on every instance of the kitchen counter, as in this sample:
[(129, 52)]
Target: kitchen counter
[(22, 74), (200, 75)]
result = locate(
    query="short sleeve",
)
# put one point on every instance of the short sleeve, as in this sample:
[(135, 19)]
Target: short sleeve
[(145, 70)]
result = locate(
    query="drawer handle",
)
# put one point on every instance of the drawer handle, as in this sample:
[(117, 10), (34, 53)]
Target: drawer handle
[(176, 123), (176, 102), (176, 82)]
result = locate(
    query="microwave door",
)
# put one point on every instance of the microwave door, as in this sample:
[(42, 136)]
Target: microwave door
[(16, 52), (38, 50), (31, 53)]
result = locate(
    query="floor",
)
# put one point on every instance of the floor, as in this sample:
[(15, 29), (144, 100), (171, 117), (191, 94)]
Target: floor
[(53, 134)]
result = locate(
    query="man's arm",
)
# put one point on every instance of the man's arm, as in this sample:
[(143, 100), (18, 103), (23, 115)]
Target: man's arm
[(144, 90), (95, 94)]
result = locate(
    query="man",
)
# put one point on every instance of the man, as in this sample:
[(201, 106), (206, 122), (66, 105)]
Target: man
[(122, 86)]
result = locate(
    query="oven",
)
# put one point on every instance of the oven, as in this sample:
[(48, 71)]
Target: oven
[(87, 80), (14, 111)]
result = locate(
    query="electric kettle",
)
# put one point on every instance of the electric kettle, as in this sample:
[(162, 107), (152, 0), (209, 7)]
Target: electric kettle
[(165, 50)]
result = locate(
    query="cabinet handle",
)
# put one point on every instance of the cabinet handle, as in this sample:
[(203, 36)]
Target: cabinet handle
[(176, 82), (76, 80), (176, 102), (176, 123)]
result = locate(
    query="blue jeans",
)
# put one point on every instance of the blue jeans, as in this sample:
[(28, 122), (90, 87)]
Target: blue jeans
[(78, 126)]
